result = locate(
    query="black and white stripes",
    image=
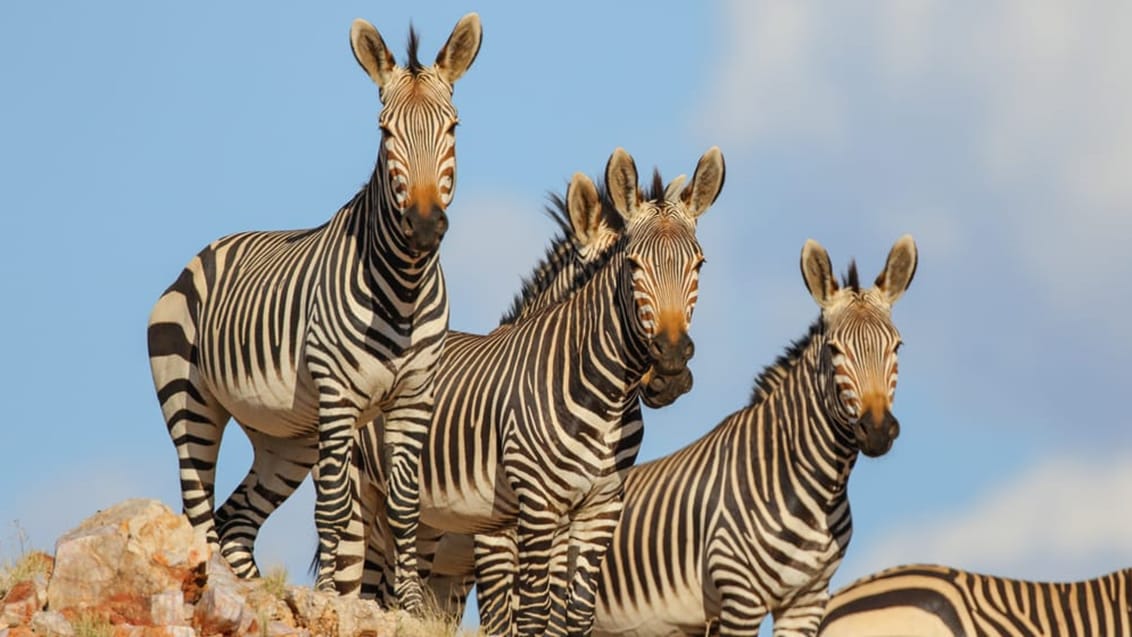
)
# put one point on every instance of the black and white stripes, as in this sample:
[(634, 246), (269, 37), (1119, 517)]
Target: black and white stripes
[(301, 336), (753, 518), (931, 601)]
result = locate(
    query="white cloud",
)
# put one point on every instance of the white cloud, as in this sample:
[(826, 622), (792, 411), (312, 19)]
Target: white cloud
[(1063, 518), (768, 81), (1034, 94)]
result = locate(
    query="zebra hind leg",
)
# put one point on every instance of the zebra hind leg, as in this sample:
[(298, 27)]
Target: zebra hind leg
[(279, 466), (194, 418)]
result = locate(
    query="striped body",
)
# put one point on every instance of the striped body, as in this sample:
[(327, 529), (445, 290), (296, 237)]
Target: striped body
[(931, 601), (300, 336), (536, 422), (753, 518)]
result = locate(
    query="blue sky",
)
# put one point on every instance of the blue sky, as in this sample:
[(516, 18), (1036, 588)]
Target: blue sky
[(999, 136)]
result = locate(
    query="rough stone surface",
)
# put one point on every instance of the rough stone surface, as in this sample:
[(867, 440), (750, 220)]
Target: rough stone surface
[(134, 549), (51, 623), (23, 600), (137, 570)]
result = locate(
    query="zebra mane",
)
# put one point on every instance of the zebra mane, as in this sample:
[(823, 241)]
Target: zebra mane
[(851, 280), (559, 255), (656, 188), (772, 375), (414, 66)]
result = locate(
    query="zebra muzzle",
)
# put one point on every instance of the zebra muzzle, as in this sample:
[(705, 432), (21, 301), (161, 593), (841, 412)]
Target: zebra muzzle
[(670, 355), (424, 230), (660, 390), (875, 435)]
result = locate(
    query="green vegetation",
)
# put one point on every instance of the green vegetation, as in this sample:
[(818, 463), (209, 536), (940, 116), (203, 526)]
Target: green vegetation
[(24, 565), (92, 625)]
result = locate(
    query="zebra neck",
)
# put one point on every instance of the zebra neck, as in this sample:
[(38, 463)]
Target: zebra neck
[(818, 449), (383, 246), (605, 329)]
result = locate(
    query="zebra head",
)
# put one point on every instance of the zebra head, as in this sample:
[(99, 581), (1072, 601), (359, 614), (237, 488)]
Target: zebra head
[(665, 257), (418, 125), (857, 368)]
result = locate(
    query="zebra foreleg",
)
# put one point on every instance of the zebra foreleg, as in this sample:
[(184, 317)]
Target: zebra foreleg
[(537, 528), (335, 507), (591, 533), (406, 428), (497, 561), (740, 613), (802, 617), (280, 465)]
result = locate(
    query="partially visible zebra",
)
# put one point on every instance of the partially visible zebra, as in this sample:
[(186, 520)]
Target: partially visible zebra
[(753, 518), (583, 239), (536, 422), (937, 601), (301, 336)]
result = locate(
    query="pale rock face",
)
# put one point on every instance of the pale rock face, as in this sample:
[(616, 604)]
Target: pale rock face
[(139, 568), (136, 549)]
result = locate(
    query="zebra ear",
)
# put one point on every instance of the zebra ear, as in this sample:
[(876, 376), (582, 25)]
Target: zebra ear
[(584, 206), (707, 181), (818, 272), (898, 269), (621, 180), (460, 50), (674, 187), (371, 53)]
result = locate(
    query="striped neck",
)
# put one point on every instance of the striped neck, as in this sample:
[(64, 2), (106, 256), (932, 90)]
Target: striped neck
[(384, 244), (606, 330), (815, 446)]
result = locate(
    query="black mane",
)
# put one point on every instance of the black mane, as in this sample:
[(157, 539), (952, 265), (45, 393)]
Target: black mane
[(656, 188), (559, 254), (772, 375), (414, 65), (851, 280)]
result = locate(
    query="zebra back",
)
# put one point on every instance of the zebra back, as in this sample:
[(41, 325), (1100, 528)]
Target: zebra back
[(922, 600)]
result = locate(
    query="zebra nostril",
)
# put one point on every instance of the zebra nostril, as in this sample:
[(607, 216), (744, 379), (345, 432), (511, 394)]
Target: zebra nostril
[(654, 349), (689, 348)]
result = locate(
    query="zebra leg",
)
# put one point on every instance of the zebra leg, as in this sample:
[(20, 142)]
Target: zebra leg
[(453, 572), (497, 559), (563, 557), (335, 507), (591, 533), (537, 529), (406, 427), (279, 466), (804, 615), (194, 418), (740, 613)]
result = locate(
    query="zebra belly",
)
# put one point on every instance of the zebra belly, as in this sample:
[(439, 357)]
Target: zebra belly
[(478, 510), (675, 611)]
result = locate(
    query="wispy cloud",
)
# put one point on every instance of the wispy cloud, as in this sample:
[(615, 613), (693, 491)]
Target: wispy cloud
[(1065, 517)]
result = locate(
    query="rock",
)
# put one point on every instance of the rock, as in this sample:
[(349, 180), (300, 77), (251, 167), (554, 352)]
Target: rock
[(121, 557), (23, 600), (222, 610), (16, 631), (328, 615), (50, 623), (167, 608)]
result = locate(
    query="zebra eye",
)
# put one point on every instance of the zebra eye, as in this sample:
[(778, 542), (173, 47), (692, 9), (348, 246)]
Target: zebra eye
[(700, 261), (834, 349), (453, 124), (896, 349)]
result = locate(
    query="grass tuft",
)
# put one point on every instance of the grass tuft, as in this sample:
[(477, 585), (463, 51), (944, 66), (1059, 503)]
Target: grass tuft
[(25, 565)]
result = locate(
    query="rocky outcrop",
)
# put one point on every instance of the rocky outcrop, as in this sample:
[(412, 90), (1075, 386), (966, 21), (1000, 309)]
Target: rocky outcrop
[(138, 570)]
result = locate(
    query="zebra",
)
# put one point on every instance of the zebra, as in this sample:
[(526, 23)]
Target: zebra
[(302, 335), (753, 518), (928, 600), (582, 240), (536, 422)]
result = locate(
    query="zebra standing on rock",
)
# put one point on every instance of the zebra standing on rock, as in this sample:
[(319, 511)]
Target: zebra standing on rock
[(936, 601), (753, 518), (301, 336), (536, 422)]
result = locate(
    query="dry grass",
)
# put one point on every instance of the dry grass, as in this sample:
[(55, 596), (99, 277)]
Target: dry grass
[(274, 582), (432, 621), (25, 565), (92, 625)]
